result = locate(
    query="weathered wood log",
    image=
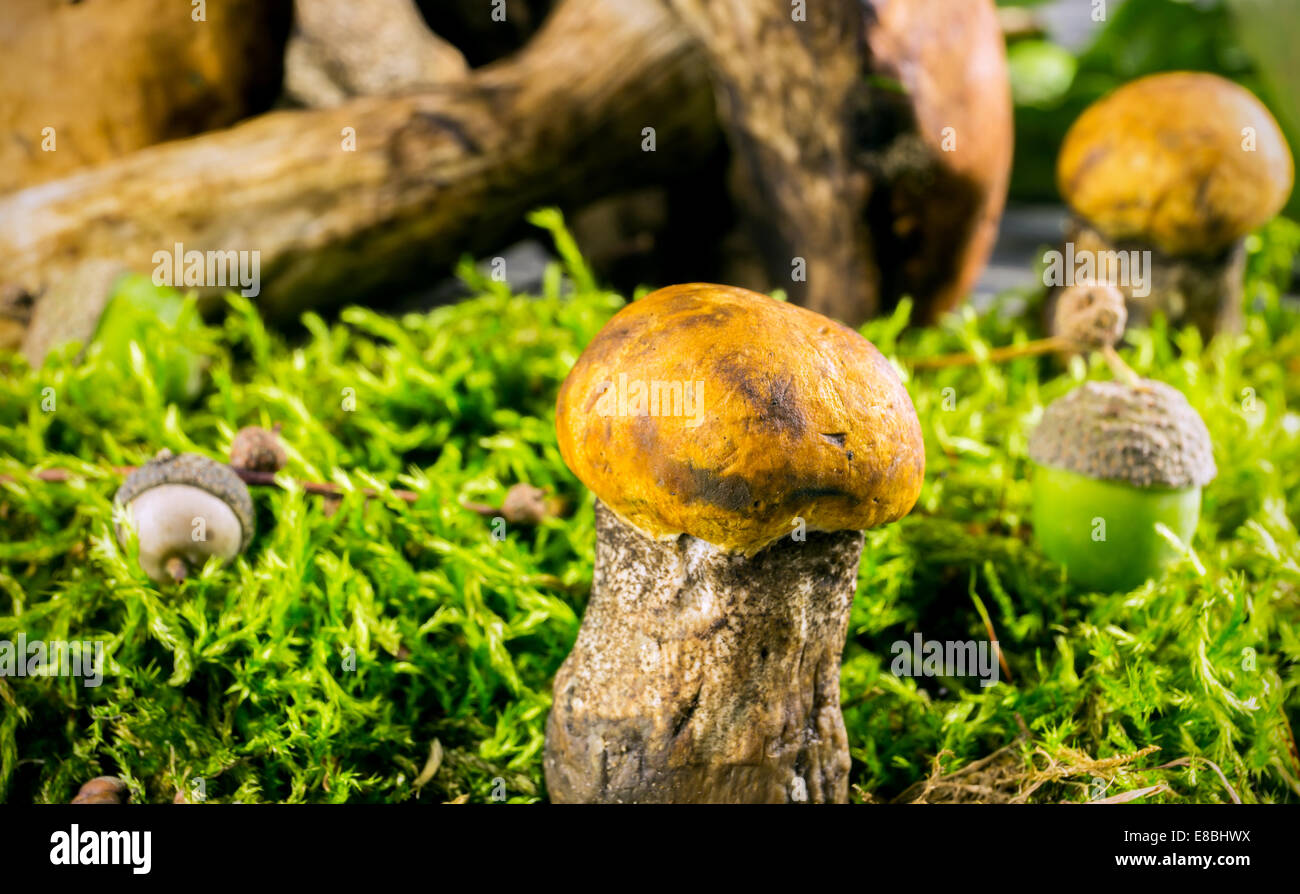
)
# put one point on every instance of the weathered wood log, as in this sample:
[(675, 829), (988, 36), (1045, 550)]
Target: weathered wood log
[(783, 87), (872, 142), (347, 202), (880, 190), (940, 180), (340, 49)]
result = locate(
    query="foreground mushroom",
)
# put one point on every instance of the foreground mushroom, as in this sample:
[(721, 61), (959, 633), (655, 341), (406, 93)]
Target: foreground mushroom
[(737, 447), (1184, 165), (1113, 461), (186, 508)]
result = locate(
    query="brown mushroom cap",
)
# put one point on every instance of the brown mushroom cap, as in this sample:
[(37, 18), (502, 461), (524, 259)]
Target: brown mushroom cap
[(1147, 436), (792, 416), (1163, 160)]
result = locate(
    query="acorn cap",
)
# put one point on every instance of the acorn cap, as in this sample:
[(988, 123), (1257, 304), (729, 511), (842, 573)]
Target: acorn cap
[(198, 471), (1092, 315), (1147, 436), (102, 790), (1164, 160), (258, 450), (720, 413)]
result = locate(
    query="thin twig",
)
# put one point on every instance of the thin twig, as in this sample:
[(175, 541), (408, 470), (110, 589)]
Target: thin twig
[(1125, 797), (993, 638), (1187, 762), (266, 479), (1290, 736), (997, 355), (993, 635), (1119, 369)]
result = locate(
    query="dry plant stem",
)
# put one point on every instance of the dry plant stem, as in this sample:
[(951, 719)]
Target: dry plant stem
[(249, 476), (1190, 761), (993, 638), (1003, 777), (1125, 797), (1120, 369), (998, 355)]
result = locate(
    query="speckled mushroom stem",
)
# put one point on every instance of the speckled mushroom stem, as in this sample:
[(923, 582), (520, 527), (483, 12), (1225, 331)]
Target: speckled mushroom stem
[(1204, 291), (703, 676)]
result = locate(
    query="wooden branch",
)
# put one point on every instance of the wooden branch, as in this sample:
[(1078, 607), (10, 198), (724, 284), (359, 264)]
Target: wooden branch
[(941, 180), (783, 90), (383, 193), (341, 49), (433, 175), (1002, 354), (872, 140), (249, 476)]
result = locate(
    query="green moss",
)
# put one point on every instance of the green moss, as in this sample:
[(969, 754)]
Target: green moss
[(323, 664)]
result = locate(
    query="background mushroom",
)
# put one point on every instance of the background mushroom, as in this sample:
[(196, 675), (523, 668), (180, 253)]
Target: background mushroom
[(728, 538), (1087, 317), (1113, 460), (1184, 164), (185, 508)]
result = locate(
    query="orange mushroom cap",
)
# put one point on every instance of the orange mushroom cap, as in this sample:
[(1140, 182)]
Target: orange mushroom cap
[(1187, 161), (721, 413)]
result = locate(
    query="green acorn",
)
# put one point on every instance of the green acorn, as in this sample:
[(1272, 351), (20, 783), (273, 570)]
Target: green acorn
[(1113, 460)]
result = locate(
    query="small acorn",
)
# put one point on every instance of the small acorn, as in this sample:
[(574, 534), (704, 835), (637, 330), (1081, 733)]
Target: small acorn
[(1113, 459), (528, 505), (1091, 315), (257, 450), (186, 508), (101, 790)]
